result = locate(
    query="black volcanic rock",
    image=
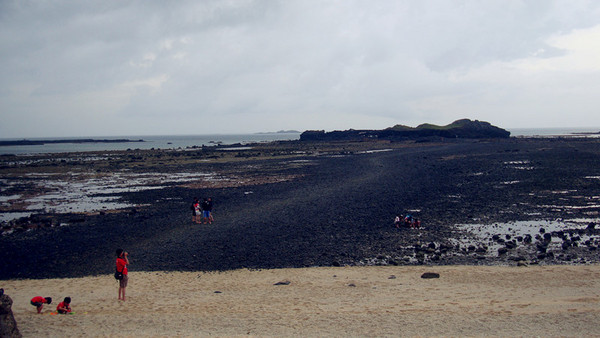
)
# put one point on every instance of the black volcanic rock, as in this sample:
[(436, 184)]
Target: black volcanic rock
[(8, 325), (429, 275), (464, 128), (338, 211)]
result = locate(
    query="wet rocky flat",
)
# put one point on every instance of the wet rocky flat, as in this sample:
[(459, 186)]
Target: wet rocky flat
[(298, 204)]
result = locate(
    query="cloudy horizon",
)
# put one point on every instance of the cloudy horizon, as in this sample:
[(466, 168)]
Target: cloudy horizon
[(107, 68)]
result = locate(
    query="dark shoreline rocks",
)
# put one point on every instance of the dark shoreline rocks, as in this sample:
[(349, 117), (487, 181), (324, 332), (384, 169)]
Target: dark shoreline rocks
[(336, 208)]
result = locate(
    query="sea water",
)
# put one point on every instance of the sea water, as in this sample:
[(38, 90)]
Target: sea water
[(149, 142), (555, 132), (185, 141)]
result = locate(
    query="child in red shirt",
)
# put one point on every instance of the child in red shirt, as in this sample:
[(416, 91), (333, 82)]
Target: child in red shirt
[(39, 302), (64, 306)]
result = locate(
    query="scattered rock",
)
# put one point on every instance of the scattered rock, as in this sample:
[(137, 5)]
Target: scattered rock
[(482, 249), (591, 226), (542, 247), (428, 275), (352, 285), (285, 282), (392, 277)]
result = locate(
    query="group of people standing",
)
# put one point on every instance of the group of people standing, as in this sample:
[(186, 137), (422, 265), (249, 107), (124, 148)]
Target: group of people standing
[(202, 211)]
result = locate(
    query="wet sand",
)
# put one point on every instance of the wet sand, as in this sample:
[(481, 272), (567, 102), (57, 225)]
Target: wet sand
[(327, 301)]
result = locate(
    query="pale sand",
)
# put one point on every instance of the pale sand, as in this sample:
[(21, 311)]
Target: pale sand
[(465, 301)]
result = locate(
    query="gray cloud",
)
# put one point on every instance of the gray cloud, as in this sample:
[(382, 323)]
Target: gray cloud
[(102, 68)]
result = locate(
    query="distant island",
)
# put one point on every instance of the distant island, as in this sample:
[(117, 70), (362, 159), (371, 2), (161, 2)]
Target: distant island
[(464, 128), (42, 142), (278, 132)]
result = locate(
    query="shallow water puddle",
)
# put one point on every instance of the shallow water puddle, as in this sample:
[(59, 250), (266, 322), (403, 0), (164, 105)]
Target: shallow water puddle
[(87, 192)]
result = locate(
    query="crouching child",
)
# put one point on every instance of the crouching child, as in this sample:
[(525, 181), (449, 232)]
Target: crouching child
[(39, 302), (64, 307)]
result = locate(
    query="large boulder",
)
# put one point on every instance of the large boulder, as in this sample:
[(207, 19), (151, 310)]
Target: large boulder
[(8, 324)]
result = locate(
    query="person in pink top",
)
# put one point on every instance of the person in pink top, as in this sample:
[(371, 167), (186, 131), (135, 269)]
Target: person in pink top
[(122, 262)]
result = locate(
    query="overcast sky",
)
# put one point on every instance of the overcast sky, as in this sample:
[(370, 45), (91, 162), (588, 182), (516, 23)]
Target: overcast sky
[(104, 68)]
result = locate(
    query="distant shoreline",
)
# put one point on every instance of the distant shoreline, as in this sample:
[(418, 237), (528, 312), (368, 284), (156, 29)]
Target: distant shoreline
[(279, 132), (42, 142)]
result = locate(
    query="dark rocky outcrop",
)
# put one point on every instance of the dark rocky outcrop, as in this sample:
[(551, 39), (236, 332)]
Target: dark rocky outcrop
[(458, 129), (8, 324), (355, 198)]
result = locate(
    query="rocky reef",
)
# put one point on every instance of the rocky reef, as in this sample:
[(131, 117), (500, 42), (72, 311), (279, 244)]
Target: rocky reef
[(464, 128)]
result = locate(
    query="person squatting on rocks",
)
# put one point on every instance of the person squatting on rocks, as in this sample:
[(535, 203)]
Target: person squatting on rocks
[(122, 262), (39, 302), (64, 307)]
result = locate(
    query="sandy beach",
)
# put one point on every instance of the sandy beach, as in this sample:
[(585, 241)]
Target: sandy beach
[(556, 300)]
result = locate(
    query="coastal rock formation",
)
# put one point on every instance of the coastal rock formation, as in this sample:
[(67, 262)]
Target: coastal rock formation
[(464, 128), (8, 324), (303, 204)]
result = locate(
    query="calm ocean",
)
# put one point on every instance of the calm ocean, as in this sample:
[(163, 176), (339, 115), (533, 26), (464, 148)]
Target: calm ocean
[(184, 141), (156, 142)]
